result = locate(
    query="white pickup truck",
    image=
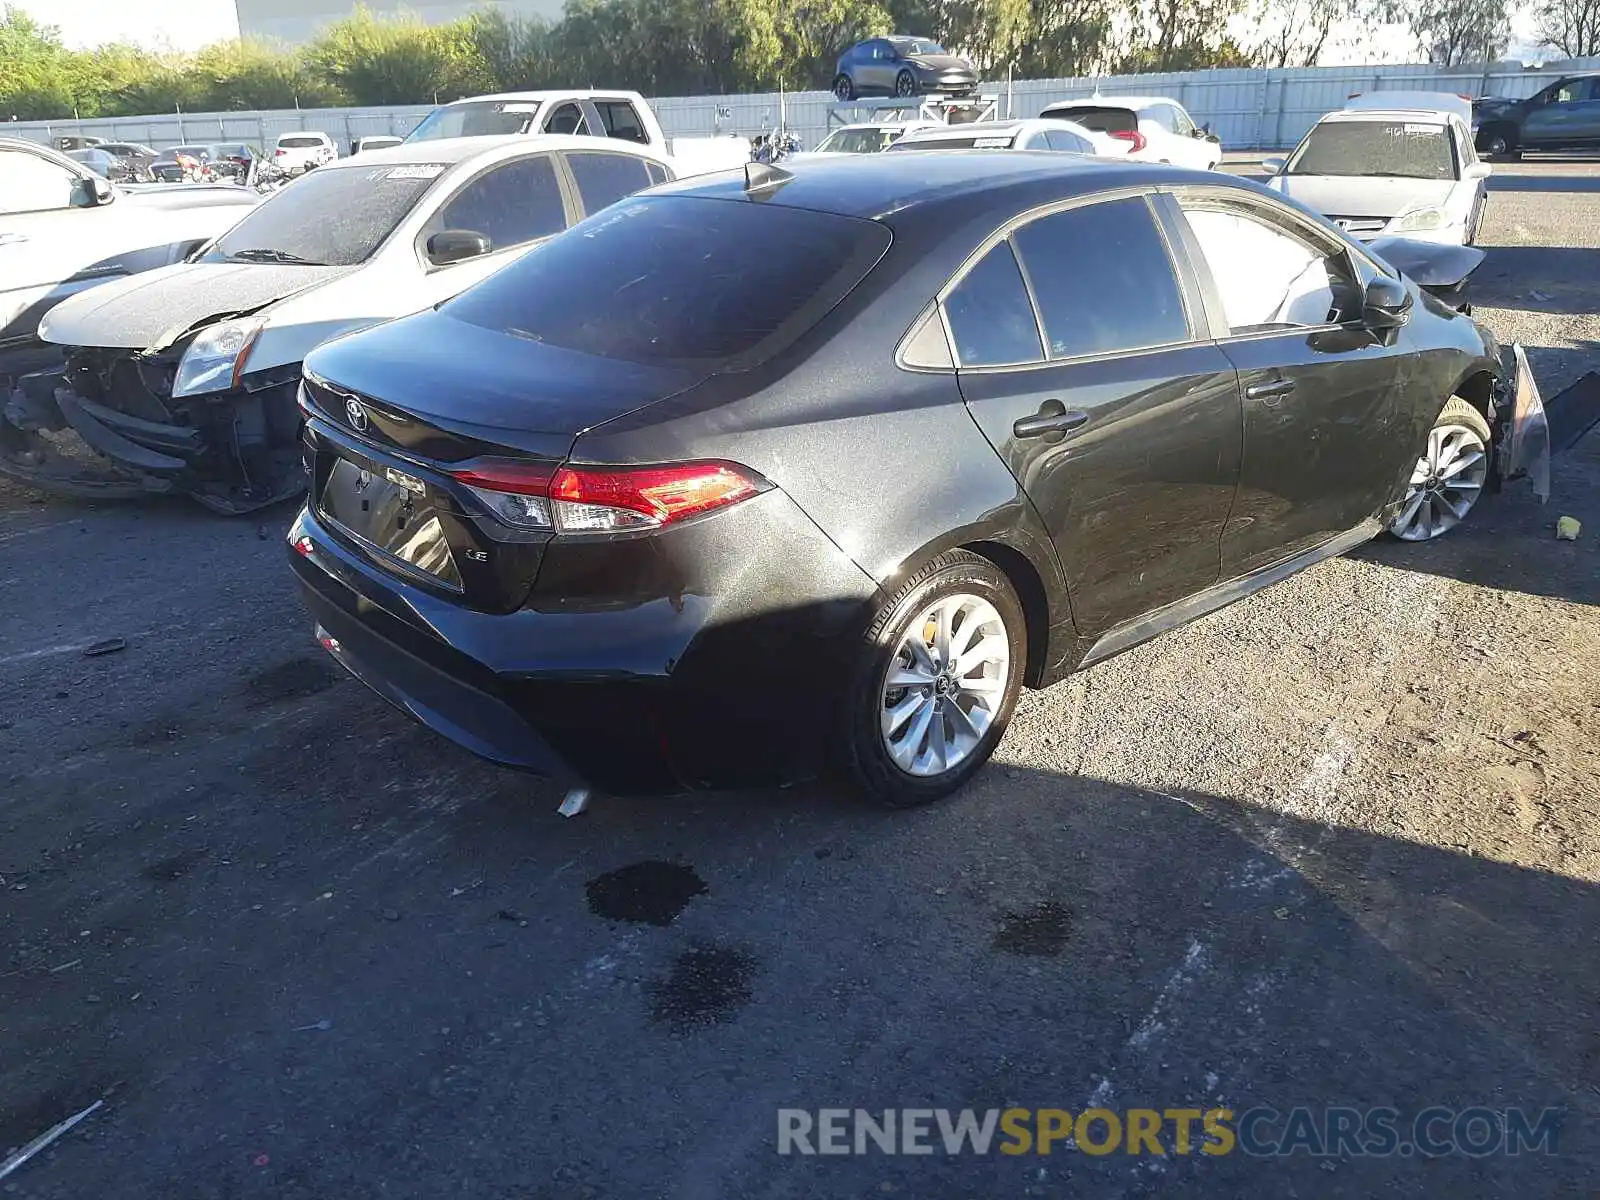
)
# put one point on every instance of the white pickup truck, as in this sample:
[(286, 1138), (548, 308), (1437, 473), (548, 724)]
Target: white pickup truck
[(598, 113)]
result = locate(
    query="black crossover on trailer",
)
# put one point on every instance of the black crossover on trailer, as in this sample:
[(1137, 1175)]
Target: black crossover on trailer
[(653, 511)]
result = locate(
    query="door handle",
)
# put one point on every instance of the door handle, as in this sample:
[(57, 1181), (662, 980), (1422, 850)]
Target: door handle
[(1052, 417), (1269, 390)]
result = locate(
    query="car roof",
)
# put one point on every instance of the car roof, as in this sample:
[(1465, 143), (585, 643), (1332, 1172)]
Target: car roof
[(874, 186), (1111, 102), (937, 133), (1437, 116), (488, 147), (563, 93)]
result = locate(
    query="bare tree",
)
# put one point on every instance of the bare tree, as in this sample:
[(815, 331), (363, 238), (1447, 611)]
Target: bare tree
[(1293, 33), (1571, 26), (1455, 31)]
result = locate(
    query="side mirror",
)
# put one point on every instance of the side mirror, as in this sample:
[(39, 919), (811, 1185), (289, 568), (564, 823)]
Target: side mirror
[(453, 245), (92, 192), (1477, 170), (1387, 304), (1274, 166)]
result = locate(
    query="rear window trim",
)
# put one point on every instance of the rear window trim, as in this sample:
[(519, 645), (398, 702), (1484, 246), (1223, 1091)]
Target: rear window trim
[(1197, 335)]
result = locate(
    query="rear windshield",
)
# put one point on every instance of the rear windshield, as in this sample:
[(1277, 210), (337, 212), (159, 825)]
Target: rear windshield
[(858, 141), (477, 118), (299, 143), (334, 216), (1100, 120), (672, 281), (1408, 149)]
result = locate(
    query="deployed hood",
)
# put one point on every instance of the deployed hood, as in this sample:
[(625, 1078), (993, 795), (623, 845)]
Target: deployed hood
[(1363, 196), (1428, 263), (137, 311)]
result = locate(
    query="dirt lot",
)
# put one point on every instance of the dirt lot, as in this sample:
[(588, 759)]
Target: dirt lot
[(1339, 844)]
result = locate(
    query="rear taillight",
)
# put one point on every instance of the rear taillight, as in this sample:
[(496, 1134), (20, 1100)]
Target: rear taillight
[(604, 499), (278, 151), (1136, 140)]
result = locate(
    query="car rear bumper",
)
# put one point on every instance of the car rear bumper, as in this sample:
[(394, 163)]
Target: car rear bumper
[(719, 681)]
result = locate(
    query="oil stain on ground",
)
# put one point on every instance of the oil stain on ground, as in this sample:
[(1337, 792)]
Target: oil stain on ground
[(706, 986), (293, 680), (1041, 931), (170, 870), (650, 893)]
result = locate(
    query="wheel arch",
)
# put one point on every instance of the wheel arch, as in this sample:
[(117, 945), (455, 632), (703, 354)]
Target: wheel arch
[(1029, 586), (1477, 388)]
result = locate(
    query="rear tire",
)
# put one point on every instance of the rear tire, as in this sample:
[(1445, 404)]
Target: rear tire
[(956, 636), (844, 89)]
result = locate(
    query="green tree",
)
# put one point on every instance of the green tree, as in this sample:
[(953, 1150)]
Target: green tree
[(1571, 26), (375, 60), (1453, 32), (35, 82)]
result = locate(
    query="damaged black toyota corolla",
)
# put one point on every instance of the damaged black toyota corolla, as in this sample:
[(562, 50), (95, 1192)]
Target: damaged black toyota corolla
[(651, 511)]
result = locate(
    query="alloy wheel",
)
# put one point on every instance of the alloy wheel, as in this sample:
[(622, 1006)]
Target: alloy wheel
[(904, 85), (945, 685), (1446, 483)]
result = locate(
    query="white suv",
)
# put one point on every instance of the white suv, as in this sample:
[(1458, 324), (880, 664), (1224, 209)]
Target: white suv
[(294, 153), (1151, 128)]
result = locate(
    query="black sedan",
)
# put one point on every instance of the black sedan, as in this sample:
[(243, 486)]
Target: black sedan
[(901, 66), (649, 510)]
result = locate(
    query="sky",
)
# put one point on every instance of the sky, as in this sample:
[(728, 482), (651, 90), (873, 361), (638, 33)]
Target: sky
[(184, 24), (181, 24)]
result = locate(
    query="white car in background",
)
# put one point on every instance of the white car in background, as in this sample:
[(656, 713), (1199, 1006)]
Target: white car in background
[(65, 230), (624, 116), (868, 137), (1390, 172), (296, 153), (185, 376), (1145, 128), (1034, 134)]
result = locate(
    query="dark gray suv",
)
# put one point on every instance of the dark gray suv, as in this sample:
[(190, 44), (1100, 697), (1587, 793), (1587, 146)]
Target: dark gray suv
[(1564, 116), (902, 66)]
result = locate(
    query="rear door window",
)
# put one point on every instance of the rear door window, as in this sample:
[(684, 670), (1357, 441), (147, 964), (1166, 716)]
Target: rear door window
[(566, 119), (1062, 139), (621, 121), (1103, 279), (603, 179), (514, 203), (990, 315), (662, 280)]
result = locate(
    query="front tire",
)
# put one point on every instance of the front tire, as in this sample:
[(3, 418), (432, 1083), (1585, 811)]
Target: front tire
[(937, 681), (905, 85), (1449, 477)]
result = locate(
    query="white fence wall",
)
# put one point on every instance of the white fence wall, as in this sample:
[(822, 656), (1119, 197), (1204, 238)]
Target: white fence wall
[(1247, 109)]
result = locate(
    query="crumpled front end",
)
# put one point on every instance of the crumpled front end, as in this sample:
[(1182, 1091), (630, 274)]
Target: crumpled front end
[(107, 426)]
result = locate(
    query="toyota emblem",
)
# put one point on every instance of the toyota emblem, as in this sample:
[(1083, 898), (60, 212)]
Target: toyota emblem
[(357, 414)]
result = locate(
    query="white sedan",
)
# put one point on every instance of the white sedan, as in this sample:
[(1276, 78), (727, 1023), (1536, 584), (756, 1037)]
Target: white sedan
[(1398, 172), (346, 246), (1145, 128)]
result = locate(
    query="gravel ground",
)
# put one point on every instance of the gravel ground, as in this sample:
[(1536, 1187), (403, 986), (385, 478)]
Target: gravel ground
[(1334, 845)]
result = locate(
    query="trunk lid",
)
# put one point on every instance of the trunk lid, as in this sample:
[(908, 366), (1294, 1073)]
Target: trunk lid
[(398, 408)]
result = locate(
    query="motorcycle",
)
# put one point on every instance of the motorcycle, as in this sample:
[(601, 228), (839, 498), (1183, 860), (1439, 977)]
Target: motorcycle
[(773, 147)]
